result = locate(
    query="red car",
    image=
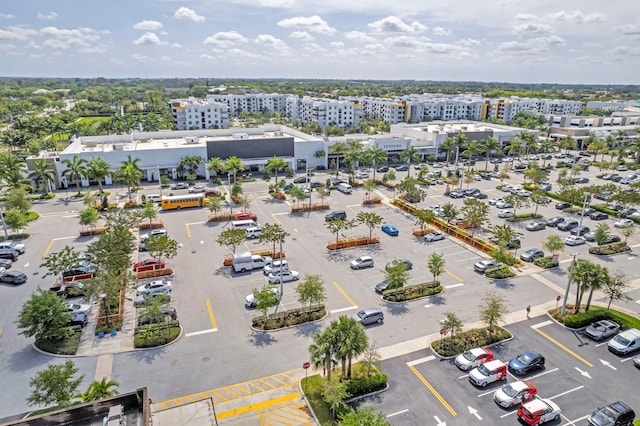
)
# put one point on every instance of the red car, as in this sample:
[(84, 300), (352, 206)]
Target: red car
[(246, 216), (148, 262)]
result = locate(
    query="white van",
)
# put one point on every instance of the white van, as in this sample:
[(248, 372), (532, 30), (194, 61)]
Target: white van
[(156, 198), (253, 232), (243, 224), (345, 188)]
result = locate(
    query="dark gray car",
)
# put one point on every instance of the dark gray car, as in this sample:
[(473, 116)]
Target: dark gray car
[(338, 214), (531, 254), (369, 316)]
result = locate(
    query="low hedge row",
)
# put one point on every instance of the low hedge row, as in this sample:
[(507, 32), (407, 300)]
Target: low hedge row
[(612, 248), (157, 327), (412, 292), (476, 337), (546, 262), (289, 317), (153, 340), (499, 273), (523, 216), (365, 385)]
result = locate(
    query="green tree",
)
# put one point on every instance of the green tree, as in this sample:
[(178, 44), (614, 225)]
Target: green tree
[(60, 261), (363, 416), (370, 220), (553, 243), (409, 156), (369, 185), (213, 205), (518, 202), (377, 157), (435, 263), (274, 165), (351, 341), (298, 194), (311, 290), (321, 351), (43, 174), (601, 233), (55, 385), (98, 390), (539, 198), (424, 217), (451, 323), (334, 393), (337, 149), (216, 165), (161, 246), (471, 149), (15, 220), (396, 275), (232, 238), (18, 199), (43, 316), (272, 233), (371, 358), (265, 297), (626, 232), (475, 213), (489, 146), (149, 211), (76, 167), (338, 225), (130, 173), (235, 165), (88, 217), (503, 234), (449, 212), (616, 287), (493, 308), (98, 169)]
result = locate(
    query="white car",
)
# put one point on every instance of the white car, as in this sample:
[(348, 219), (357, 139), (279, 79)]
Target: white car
[(473, 358), (78, 308), (250, 300), (514, 393), (623, 223), (574, 240), (152, 287), (488, 372), (276, 266), (287, 276), (197, 188), (495, 200), (434, 236), (538, 411), (503, 205), (362, 176), (145, 237), (507, 188), (506, 213), (522, 192)]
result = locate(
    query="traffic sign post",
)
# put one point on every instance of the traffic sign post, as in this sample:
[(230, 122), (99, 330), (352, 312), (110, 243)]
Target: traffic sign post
[(306, 366), (558, 301)]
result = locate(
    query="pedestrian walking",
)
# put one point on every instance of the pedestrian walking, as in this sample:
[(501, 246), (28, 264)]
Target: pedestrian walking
[(528, 310)]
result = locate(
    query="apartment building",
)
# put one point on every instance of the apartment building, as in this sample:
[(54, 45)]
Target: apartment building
[(191, 114)]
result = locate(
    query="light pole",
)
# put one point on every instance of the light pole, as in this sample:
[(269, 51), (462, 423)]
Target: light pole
[(103, 297), (159, 180), (280, 260), (229, 186), (587, 197), (4, 226), (566, 292)]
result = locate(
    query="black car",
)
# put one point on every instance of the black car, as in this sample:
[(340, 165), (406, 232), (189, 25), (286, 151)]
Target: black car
[(611, 239), (382, 169), (394, 262), (14, 277), (526, 362), (598, 216), (315, 184), (402, 168), (567, 225), (301, 179), (79, 270), (520, 166), (78, 319), (616, 414), (382, 286), (581, 180), (562, 205), (338, 214), (555, 221), (627, 211)]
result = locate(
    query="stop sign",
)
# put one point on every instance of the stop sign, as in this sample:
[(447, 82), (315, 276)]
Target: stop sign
[(306, 365), (558, 298), (442, 331)]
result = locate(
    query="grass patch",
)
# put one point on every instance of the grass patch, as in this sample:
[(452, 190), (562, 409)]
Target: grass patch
[(68, 346), (499, 273), (612, 248), (88, 120), (312, 388), (595, 313), (152, 338), (476, 337), (289, 318), (546, 262), (412, 292)]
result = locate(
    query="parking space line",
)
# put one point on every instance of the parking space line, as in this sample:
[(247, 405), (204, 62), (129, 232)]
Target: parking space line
[(455, 277), (421, 360), (573, 422), (346, 296), (46, 251), (561, 346), (337, 311), (566, 392), (273, 215), (433, 391), (198, 333), (186, 225), (453, 285), (211, 317)]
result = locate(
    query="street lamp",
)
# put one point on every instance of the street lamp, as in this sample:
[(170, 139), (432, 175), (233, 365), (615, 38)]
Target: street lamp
[(103, 297), (566, 293), (587, 198), (280, 259)]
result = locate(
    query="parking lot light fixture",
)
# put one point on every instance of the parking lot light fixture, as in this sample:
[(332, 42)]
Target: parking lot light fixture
[(587, 198), (566, 293)]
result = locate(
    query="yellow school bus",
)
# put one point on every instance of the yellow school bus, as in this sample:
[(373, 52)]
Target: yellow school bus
[(183, 201)]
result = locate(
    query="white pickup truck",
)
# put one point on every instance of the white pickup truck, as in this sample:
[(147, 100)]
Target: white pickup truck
[(243, 262)]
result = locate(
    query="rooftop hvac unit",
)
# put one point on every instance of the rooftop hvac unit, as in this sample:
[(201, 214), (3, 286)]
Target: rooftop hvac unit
[(118, 147), (191, 139)]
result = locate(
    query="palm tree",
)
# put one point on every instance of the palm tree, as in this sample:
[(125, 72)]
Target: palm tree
[(597, 147), (130, 173), (489, 146), (377, 156), (217, 165), (234, 164), (410, 155), (568, 143), (9, 162), (98, 169), (337, 149), (43, 174), (471, 150), (515, 148), (99, 390), (321, 352), (76, 168), (352, 341), (528, 140), (274, 165), (319, 154), (446, 146)]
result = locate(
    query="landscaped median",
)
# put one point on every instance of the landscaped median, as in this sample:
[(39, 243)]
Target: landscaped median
[(289, 318), (608, 249), (353, 242), (412, 292)]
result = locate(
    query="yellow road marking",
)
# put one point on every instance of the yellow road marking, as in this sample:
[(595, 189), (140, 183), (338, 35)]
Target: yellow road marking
[(211, 317), (257, 406), (232, 392), (561, 346), (276, 219), (433, 391), (455, 277), (346, 296), (267, 383), (46, 252), (186, 225)]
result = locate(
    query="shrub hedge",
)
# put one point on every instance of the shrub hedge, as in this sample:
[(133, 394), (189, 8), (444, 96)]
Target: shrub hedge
[(523, 216), (152, 340), (365, 385), (499, 272), (412, 292), (476, 337), (613, 248), (595, 313), (289, 317), (546, 262)]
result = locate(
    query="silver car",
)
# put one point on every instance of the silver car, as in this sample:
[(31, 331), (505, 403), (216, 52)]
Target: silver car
[(369, 316)]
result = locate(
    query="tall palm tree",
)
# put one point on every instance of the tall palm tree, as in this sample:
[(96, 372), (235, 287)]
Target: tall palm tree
[(528, 141), (274, 165), (76, 168), (321, 352), (98, 169), (515, 148), (43, 174), (568, 143), (337, 149), (410, 155), (100, 390), (217, 165), (471, 150), (597, 147), (9, 162), (446, 146), (352, 342), (488, 147), (377, 157), (234, 164), (130, 172), (319, 154)]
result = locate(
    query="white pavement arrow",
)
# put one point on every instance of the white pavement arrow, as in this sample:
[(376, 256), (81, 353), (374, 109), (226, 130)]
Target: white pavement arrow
[(440, 422), (474, 412), (201, 242), (584, 373), (608, 364), (26, 265)]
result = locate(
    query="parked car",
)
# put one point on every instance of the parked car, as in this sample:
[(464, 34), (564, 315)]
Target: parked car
[(78, 319), (369, 316), (78, 308), (535, 226), (362, 262), (166, 313), (590, 236), (275, 265), (488, 372), (389, 229), (79, 270), (538, 411), (602, 329), (197, 188), (285, 276), (580, 230), (316, 184), (531, 254), (407, 263), (154, 286), (301, 179), (434, 236), (402, 168), (148, 262), (382, 286), (338, 214), (526, 362), (581, 180), (473, 358), (6, 263), (562, 205), (153, 232), (250, 300), (9, 254), (598, 216), (611, 239), (615, 414), (506, 213), (494, 200), (628, 211), (555, 221), (573, 240), (483, 265), (13, 245), (13, 277), (145, 299), (245, 216), (567, 225), (180, 185), (456, 194), (382, 169), (625, 342), (503, 205), (623, 223), (515, 393)]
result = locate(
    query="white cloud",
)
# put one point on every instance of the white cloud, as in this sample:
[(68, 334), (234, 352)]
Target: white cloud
[(149, 38), (576, 16), (393, 24), (302, 36), (337, 44), (532, 28), (374, 49), (404, 41), (629, 30), (225, 39), (271, 42), (142, 58), (359, 37), (176, 45), (439, 31), (205, 56), (239, 53), (148, 25), (314, 23), (62, 38), (51, 16), (468, 42), (533, 45), (186, 14), (17, 33), (277, 4), (7, 16)]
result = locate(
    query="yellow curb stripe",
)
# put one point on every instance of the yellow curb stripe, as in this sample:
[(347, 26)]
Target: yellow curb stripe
[(276, 219), (455, 277), (433, 391), (255, 386), (46, 251), (186, 225), (211, 317), (267, 383), (561, 346), (346, 296), (232, 392), (257, 406)]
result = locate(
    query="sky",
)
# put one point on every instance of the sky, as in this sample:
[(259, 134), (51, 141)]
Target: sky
[(521, 41)]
